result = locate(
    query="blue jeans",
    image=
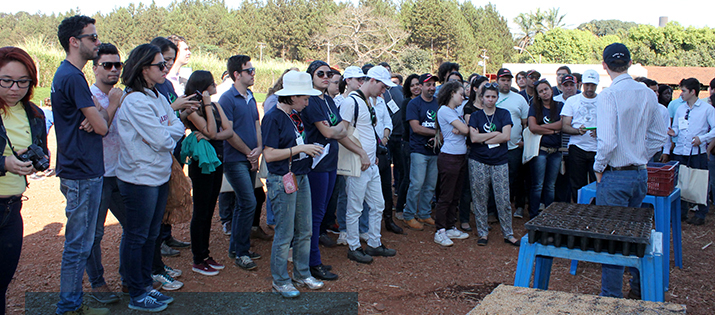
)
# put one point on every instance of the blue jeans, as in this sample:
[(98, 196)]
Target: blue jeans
[(623, 189), (544, 169), (83, 197), (711, 177), (241, 178), (111, 200), (341, 211), (423, 180), (293, 213), (320, 191), (145, 207)]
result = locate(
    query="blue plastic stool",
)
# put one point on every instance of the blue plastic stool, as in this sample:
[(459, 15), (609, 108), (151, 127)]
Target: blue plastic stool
[(667, 209), (652, 288)]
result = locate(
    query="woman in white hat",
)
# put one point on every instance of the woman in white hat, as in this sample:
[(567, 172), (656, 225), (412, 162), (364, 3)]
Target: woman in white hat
[(289, 160)]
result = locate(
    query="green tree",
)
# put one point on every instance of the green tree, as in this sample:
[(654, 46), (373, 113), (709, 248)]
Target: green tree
[(552, 19), (290, 24), (569, 46), (607, 27), (491, 33), (529, 25)]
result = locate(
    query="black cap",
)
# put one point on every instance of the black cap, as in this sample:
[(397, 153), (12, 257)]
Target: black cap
[(426, 77), (568, 78), (533, 72), (504, 72), (616, 55)]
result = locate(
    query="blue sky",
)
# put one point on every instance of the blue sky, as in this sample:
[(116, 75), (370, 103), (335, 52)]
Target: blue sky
[(576, 12)]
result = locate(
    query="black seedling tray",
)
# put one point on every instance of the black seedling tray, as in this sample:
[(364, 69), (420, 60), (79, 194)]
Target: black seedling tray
[(588, 227)]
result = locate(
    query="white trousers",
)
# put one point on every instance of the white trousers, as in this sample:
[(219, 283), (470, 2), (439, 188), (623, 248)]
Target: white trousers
[(367, 188)]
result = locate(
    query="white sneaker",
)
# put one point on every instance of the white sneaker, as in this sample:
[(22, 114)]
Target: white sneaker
[(363, 237), (455, 234), (441, 238), (343, 238), (227, 228), (174, 273), (694, 208), (519, 213), (167, 282)]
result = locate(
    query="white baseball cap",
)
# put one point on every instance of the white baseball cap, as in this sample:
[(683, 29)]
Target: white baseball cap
[(381, 74), (590, 76), (297, 83), (353, 72)]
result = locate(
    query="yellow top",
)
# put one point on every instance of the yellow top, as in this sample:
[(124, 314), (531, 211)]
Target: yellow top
[(18, 130)]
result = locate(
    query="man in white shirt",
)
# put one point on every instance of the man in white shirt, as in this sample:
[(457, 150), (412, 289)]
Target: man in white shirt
[(182, 58), (579, 117), (519, 111), (694, 125), (630, 131), (366, 187), (568, 87)]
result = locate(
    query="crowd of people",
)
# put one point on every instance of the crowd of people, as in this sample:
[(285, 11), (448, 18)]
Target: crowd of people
[(334, 149)]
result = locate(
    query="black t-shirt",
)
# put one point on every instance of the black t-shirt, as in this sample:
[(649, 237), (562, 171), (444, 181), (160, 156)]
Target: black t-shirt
[(322, 110), (549, 141), (426, 114), (279, 132), (481, 152)]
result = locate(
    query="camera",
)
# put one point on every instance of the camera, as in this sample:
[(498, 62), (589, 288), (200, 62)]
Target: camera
[(35, 155)]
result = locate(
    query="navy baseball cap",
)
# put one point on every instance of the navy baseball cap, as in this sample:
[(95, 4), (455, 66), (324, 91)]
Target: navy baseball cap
[(568, 78), (426, 77), (503, 72), (616, 55)]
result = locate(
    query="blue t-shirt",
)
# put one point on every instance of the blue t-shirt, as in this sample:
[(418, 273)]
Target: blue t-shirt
[(319, 110), (244, 114), (279, 132), (481, 152), (549, 141), (167, 89), (426, 114), (79, 153)]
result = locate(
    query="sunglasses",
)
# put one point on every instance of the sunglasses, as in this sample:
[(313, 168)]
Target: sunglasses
[(687, 113), (92, 37), (250, 71), (373, 116), (22, 84), (108, 65), (297, 122), (161, 65), (540, 81), (491, 85), (324, 74)]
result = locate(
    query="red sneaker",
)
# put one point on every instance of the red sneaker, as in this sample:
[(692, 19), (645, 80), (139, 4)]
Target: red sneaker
[(204, 269), (211, 262)]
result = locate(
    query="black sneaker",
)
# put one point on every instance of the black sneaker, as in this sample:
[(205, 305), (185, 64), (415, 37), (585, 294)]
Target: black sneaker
[(246, 263), (326, 241), (322, 273), (359, 256), (172, 242), (380, 251), (696, 221), (253, 255)]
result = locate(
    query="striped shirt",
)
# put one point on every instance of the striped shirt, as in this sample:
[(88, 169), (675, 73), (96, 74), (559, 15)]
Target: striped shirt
[(701, 123), (630, 129)]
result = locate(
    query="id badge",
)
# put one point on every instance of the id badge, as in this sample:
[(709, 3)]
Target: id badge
[(683, 123), (299, 141), (393, 107)]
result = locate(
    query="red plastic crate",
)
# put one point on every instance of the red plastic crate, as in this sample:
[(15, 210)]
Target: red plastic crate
[(662, 178)]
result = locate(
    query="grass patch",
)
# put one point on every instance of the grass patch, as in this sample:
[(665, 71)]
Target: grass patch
[(40, 94)]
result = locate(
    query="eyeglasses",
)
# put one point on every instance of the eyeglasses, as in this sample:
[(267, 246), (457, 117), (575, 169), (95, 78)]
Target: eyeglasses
[(21, 84), (491, 85), (93, 37), (250, 71), (297, 122), (373, 116), (540, 81), (324, 74), (161, 65), (108, 65)]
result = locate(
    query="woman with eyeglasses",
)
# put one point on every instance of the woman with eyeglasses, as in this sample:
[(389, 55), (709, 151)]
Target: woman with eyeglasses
[(322, 127), (289, 160), (545, 120), (209, 127), (490, 130), (22, 124), (451, 162), (148, 131)]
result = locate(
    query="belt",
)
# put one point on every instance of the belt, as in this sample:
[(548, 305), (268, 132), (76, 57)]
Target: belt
[(626, 168), (549, 150), (10, 200)]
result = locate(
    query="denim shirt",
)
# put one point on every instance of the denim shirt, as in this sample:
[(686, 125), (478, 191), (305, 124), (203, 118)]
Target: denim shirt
[(37, 131)]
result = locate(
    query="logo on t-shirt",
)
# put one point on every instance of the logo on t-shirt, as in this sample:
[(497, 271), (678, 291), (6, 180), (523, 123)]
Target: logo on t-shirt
[(489, 127), (547, 120), (431, 117)]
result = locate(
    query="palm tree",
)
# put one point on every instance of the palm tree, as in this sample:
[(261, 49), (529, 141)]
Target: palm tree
[(529, 24), (552, 19)]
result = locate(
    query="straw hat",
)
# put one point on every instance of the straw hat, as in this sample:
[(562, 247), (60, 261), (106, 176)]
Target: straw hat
[(297, 83)]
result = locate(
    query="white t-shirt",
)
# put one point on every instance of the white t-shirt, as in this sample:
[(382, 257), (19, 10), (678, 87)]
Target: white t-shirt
[(518, 109), (364, 123), (110, 142), (583, 112), (452, 144)]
